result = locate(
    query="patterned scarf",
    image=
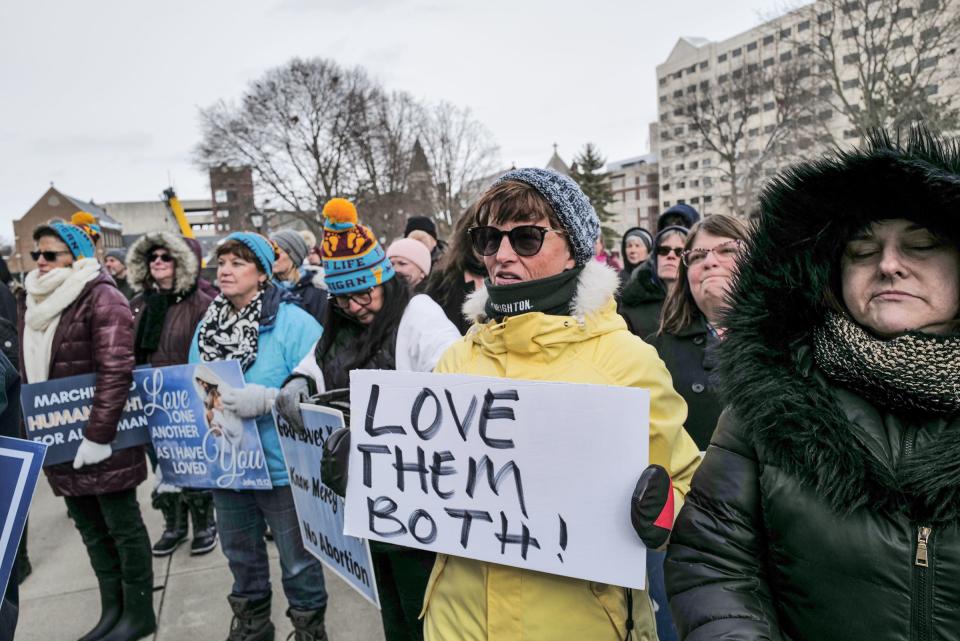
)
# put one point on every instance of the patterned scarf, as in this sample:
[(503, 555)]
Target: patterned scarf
[(914, 371), (228, 334)]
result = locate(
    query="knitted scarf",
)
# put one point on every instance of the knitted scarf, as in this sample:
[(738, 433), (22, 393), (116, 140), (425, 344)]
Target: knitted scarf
[(914, 371), (47, 296), (226, 333), (156, 304)]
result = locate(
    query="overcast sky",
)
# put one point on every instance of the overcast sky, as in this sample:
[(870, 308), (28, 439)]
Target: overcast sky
[(101, 97)]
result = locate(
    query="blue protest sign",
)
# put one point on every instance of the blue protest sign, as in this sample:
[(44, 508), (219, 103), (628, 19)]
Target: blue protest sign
[(56, 412), (20, 463), (319, 509), (198, 442)]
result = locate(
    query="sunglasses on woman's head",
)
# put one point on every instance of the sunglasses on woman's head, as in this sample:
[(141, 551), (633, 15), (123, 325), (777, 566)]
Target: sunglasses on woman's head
[(665, 251), (167, 258), (49, 256), (526, 240)]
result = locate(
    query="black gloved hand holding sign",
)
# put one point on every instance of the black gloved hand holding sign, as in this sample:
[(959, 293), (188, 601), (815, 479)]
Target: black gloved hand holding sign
[(334, 464), (651, 507)]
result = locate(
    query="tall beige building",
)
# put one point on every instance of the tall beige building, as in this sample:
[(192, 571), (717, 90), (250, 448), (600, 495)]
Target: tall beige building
[(634, 183), (810, 67)]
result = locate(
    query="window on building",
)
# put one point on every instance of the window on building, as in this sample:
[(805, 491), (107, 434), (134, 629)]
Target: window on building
[(723, 99), (753, 132), (752, 46), (695, 200), (877, 23), (852, 83), (929, 34), (691, 89), (665, 187), (707, 199), (666, 204), (663, 100), (693, 145), (737, 73), (694, 164), (704, 64), (722, 57), (663, 81), (902, 69), (221, 196), (707, 162), (901, 13), (752, 67), (736, 52), (678, 111), (768, 40), (681, 201), (825, 90), (722, 78), (826, 16), (704, 85), (785, 33), (692, 69), (678, 167), (851, 58), (851, 133), (769, 62), (804, 50), (769, 129), (677, 75), (678, 149), (769, 106), (678, 93), (681, 185), (694, 183), (678, 130), (849, 33), (931, 90), (803, 26), (926, 63), (826, 114), (929, 5), (786, 56)]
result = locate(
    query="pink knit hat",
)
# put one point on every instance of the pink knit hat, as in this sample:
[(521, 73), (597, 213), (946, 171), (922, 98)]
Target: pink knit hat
[(413, 250)]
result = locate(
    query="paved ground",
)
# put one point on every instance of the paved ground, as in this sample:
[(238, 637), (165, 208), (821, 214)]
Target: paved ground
[(59, 601)]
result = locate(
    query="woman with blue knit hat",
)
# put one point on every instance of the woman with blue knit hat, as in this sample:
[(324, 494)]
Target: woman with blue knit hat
[(261, 326), (548, 313), (372, 323), (77, 322)]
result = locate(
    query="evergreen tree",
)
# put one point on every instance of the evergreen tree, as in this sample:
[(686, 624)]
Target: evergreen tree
[(587, 170)]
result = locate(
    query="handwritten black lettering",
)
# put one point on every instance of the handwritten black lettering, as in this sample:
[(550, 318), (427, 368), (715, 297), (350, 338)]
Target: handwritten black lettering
[(382, 508), (420, 467), (462, 426), (415, 518), (494, 480), (524, 540), (428, 433), (438, 469), (368, 449), (371, 412), (468, 516), (490, 413)]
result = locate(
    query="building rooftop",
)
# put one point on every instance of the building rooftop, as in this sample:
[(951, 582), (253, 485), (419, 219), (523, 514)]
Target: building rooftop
[(617, 165)]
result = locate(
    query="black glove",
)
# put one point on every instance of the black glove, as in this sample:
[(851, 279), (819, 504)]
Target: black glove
[(295, 390), (335, 462), (651, 508)]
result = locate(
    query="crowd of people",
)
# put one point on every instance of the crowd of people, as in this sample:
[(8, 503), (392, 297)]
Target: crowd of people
[(802, 371)]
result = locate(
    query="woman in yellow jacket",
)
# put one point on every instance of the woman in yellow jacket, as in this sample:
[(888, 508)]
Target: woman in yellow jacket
[(548, 314)]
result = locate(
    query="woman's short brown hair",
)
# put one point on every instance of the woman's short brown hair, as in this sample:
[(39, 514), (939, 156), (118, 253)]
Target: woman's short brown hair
[(513, 200), (237, 248), (680, 309)]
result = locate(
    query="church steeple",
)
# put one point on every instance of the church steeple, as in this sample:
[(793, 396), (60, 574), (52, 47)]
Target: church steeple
[(556, 163)]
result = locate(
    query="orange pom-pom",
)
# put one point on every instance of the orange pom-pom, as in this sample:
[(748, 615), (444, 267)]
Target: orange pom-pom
[(83, 218), (340, 210)]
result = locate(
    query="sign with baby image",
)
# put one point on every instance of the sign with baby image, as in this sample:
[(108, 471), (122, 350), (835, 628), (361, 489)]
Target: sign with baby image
[(199, 443)]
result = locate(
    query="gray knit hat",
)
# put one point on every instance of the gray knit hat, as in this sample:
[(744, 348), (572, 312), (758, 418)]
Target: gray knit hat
[(293, 244), (119, 254), (572, 206)]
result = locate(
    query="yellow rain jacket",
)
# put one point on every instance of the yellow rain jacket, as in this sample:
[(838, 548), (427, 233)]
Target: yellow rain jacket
[(469, 600)]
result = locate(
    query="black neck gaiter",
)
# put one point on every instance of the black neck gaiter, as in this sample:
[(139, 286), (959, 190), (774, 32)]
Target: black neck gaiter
[(548, 295)]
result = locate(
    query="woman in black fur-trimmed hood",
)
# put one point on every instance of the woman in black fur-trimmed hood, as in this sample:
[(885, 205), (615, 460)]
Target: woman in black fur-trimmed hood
[(828, 504)]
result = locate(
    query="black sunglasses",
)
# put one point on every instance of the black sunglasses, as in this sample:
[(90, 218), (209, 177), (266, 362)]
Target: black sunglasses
[(526, 240), (360, 298), (48, 256), (665, 251), (167, 258)]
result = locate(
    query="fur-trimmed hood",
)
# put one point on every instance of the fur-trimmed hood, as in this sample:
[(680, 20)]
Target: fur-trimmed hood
[(187, 262), (767, 375), (596, 285)]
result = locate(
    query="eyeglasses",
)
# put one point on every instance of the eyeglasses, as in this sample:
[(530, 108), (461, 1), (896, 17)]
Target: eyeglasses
[(360, 298), (167, 258), (666, 251), (526, 240), (49, 256), (725, 252)]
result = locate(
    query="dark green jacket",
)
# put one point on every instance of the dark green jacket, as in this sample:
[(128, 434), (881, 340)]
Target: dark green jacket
[(807, 518)]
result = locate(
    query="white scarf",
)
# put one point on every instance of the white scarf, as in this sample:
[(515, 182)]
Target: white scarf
[(47, 296)]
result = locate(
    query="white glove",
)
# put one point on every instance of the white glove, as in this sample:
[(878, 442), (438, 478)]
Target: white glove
[(250, 401), (91, 453)]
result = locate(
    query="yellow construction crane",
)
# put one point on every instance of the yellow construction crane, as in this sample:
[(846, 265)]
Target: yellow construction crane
[(173, 204)]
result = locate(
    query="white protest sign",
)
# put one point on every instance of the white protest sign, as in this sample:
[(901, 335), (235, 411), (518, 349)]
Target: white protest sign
[(523, 473)]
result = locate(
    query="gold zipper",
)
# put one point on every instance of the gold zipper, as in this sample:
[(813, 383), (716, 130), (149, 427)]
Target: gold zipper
[(923, 539)]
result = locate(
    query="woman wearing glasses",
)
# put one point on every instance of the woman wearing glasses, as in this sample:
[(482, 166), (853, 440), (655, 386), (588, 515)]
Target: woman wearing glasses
[(642, 298), (372, 323), (163, 271), (78, 322), (692, 318), (263, 327)]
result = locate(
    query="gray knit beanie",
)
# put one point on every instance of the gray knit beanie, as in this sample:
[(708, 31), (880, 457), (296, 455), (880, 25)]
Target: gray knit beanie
[(571, 205), (293, 244), (119, 254)]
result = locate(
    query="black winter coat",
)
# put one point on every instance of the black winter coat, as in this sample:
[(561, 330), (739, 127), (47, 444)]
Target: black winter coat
[(641, 301), (691, 361), (817, 515)]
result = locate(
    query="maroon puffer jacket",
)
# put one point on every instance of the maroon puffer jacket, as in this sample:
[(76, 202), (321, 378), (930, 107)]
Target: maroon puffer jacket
[(95, 334)]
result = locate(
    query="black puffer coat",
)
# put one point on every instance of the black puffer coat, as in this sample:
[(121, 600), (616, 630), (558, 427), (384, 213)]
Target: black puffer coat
[(642, 300), (808, 518), (690, 357)]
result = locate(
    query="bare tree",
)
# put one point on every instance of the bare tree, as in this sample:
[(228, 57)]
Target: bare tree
[(460, 150), (312, 130), (748, 120), (885, 63)]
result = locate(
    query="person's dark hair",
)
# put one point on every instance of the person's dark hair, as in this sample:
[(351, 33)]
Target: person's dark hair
[(5, 276), (237, 248), (513, 200), (43, 231), (680, 309), (396, 296), (445, 281)]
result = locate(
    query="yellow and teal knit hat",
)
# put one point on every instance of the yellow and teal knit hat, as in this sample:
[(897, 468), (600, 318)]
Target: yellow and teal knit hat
[(353, 260)]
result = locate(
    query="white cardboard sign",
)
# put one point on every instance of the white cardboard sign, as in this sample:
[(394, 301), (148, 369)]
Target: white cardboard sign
[(522, 473)]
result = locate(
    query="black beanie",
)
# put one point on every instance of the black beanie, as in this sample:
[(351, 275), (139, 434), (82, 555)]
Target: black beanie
[(423, 223)]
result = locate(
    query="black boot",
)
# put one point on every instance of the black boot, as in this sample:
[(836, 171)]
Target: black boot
[(251, 619), (111, 606), (308, 624), (200, 505), (138, 619), (174, 520)]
